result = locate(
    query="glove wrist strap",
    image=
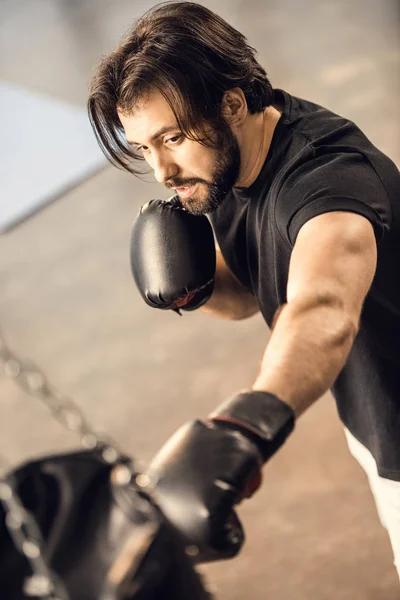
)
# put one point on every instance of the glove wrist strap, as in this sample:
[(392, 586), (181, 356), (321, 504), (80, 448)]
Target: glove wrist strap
[(263, 417)]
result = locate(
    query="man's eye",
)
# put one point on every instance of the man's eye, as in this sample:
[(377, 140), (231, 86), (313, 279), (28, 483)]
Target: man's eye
[(137, 148), (176, 137), (174, 140)]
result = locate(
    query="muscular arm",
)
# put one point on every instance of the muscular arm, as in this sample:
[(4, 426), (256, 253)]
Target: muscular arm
[(307, 350), (313, 333), (230, 300)]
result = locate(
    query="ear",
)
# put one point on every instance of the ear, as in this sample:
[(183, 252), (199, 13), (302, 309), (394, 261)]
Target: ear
[(234, 106)]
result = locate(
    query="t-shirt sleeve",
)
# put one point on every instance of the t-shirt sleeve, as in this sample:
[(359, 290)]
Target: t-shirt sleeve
[(344, 181)]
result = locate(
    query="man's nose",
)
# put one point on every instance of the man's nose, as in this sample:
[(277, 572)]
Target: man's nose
[(164, 168)]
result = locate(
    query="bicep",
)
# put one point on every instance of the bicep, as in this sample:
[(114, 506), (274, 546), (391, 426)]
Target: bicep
[(334, 260)]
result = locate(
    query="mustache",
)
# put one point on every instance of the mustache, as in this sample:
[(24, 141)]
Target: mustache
[(181, 184)]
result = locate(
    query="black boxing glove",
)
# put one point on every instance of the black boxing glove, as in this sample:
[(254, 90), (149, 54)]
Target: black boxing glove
[(209, 466), (172, 256)]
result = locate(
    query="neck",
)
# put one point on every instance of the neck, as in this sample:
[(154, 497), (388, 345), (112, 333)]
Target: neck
[(261, 128)]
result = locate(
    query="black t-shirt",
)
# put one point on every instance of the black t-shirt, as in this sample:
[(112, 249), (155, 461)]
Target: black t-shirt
[(320, 162)]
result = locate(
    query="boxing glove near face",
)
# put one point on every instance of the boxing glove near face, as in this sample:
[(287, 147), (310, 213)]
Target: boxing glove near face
[(173, 256)]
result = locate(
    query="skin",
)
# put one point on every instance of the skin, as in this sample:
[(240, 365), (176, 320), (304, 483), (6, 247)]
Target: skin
[(178, 161)]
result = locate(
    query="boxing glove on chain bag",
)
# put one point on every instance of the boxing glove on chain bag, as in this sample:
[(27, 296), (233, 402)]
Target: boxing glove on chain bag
[(173, 256), (102, 540)]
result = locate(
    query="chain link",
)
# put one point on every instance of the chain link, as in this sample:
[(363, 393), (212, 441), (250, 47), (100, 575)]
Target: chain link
[(33, 381), (27, 538), (20, 523)]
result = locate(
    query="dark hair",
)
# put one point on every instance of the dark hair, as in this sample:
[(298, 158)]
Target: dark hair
[(191, 56)]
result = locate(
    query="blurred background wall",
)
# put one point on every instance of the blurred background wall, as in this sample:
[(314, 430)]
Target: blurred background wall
[(68, 301)]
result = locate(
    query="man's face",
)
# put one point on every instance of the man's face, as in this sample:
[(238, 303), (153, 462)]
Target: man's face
[(179, 162)]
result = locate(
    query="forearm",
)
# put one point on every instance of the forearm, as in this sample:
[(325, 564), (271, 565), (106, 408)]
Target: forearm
[(229, 300), (307, 350)]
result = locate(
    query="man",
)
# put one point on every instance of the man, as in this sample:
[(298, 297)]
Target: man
[(306, 212)]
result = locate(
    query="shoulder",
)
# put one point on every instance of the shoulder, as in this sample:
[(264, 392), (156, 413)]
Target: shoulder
[(329, 181)]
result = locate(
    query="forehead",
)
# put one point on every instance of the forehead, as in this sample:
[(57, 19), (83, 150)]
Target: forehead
[(150, 116)]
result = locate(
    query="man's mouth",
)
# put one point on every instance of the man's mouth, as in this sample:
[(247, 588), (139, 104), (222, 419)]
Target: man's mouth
[(185, 191)]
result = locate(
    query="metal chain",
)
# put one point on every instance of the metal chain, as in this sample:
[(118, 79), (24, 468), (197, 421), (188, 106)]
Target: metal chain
[(20, 523), (22, 526), (26, 535), (33, 381)]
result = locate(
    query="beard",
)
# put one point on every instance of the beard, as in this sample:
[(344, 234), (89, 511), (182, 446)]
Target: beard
[(225, 174)]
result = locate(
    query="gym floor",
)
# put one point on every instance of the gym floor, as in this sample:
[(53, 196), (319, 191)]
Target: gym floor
[(68, 301)]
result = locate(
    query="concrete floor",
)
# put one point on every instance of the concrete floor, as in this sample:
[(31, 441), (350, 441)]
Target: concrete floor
[(68, 302)]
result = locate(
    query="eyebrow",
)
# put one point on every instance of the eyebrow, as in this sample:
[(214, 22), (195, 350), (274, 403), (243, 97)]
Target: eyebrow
[(165, 129)]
